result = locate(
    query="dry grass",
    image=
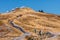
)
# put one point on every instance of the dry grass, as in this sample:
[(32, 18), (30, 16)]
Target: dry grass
[(30, 20)]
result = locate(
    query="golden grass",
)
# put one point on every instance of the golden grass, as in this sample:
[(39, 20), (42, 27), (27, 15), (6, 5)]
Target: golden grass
[(31, 20)]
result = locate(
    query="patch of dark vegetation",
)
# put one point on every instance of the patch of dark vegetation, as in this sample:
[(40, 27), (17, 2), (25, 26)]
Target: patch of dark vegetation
[(41, 11)]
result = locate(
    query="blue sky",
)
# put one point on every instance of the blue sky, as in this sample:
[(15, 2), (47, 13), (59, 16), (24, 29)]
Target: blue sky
[(49, 6)]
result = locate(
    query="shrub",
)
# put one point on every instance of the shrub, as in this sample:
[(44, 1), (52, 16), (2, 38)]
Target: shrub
[(41, 11), (1, 22), (30, 38)]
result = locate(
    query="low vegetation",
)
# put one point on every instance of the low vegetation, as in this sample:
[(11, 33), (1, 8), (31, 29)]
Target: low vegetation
[(1, 22)]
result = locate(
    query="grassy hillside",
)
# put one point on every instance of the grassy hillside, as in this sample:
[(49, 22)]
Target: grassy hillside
[(31, 21)]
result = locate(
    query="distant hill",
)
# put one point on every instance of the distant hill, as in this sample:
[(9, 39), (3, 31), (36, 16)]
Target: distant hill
[(29, 20)]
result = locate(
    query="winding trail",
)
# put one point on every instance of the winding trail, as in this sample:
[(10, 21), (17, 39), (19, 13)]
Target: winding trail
[(17, 27), (21, 29)]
